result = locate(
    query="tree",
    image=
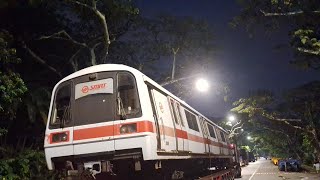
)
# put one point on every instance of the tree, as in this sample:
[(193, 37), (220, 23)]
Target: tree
[(12, 86), (299, 17), (294, 117)]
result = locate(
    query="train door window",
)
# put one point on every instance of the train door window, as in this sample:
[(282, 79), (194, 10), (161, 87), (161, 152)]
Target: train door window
[(61, 114), (175, 117), (192, 121), (128, 104), (179, 114), (212, 131), (204, 127), (222, 136)]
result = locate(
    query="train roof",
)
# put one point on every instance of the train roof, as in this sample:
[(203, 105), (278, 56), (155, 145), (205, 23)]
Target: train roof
[(117, 67)]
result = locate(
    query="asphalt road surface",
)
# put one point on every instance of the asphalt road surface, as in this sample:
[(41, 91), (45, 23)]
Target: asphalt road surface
[(265, 170)]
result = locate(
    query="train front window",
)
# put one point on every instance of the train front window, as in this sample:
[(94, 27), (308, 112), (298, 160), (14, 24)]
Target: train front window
[(94, 101), (61, 111), (128, 104)]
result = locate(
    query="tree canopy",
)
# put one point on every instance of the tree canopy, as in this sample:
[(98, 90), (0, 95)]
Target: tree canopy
[(287, 125), (300, 18)]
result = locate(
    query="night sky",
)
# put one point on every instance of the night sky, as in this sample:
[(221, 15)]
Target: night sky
[(243, 63)]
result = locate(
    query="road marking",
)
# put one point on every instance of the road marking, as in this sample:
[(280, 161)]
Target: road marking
[(254, 172)]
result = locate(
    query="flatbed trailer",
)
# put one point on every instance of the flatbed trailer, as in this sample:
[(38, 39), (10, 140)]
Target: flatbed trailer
[(228, 174)]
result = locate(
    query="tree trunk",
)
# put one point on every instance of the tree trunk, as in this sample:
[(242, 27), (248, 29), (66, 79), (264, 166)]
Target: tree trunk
[(175, 51)]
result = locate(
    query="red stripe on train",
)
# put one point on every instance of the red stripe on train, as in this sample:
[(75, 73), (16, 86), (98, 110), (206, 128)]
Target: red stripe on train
[(142, 126), (110, 130)]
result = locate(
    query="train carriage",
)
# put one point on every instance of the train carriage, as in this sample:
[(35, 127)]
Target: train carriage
[(113, 114)]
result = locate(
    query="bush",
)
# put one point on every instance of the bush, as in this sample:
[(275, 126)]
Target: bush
[(29, 164)]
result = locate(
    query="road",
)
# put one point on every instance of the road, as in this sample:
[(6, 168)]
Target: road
[(265, 170)]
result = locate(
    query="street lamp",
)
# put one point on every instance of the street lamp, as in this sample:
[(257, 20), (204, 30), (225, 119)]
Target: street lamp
[(202, 85), (249, 137), (231, 118)]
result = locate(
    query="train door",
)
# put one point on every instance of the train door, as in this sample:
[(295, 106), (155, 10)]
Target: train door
[(160, 141), (205, 133), (182, 121), (180, 135), (214, 143), (222, 141), (165, 122)]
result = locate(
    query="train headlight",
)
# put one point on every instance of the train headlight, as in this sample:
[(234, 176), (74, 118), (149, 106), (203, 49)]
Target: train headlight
[(60, 137), (128, 128)]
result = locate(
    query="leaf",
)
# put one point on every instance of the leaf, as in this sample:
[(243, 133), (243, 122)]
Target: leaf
[(274, 2), (317, 44), (303, 40)]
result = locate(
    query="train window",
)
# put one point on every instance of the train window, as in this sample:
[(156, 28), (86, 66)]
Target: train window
[(174, 111), (204, 127), (128, 104), (222, 136), (192, 121), (61, 108), (94, 100), (179, 114), (212, 131)]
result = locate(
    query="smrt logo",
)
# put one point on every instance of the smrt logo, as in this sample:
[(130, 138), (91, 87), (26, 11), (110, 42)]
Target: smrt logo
[(86, 89)]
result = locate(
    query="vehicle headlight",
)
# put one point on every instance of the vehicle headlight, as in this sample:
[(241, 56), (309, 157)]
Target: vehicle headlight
[(128, 128)]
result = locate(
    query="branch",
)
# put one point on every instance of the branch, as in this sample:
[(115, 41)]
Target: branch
[(293, 13), (296, 127), (71, 60), (175, 51), (82, 4), (102, 19), (63, 32), (308, 51), (93, 55), (40, 60), (296, 120), (176, 80)]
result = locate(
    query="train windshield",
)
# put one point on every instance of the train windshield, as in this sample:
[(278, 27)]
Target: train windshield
[(128, 105), (61, 114), (107, 97)]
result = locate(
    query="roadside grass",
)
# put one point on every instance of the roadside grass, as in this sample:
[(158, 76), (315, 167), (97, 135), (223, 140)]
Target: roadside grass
[(308, 168)]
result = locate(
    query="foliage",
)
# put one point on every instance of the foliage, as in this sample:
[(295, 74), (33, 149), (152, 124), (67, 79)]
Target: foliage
[(29, 164), (286, 125), (300, 18), (12, 86)]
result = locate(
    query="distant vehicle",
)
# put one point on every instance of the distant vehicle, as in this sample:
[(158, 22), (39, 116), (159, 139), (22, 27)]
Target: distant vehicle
[(244, 157), (251, 157), (289, 165), (275, 160)]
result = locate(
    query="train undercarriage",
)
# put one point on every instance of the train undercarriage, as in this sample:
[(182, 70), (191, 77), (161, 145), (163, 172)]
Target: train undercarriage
[(130, 165)]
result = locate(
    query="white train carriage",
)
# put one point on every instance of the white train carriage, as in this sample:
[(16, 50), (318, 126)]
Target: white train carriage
[(110, 113)]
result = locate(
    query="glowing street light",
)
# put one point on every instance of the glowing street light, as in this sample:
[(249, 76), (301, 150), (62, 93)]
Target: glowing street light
[(249, 137), (202, 85), (231, 118)]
